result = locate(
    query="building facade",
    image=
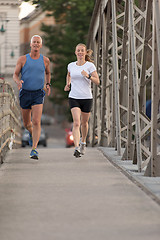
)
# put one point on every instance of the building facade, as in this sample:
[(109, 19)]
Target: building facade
[(15, 38), (31, 25), (9, 36)]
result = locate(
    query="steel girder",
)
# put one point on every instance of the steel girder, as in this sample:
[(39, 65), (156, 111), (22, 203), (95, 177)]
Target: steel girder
[(124, 36)]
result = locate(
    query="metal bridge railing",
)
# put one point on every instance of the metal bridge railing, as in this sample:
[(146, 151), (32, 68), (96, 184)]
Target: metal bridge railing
[(125, 37), (10, 119)]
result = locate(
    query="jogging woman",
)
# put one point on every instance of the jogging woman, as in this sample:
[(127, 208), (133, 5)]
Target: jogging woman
[(81, 74)]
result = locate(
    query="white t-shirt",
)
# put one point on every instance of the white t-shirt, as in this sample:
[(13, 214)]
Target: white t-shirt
[(80, 85)]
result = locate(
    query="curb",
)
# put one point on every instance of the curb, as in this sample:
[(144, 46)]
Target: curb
[(131, 171)]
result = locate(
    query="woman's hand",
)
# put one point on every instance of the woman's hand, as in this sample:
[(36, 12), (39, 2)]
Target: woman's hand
[(85, 74), (94, 77), (67, 87)]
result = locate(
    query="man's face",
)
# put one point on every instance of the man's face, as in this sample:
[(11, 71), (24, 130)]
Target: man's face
[(36, 44)]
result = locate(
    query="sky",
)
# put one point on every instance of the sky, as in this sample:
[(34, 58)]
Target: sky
[(25, 9)]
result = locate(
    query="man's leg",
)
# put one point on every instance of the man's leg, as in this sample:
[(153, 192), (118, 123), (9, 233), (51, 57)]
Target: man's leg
[(26, 115), (36, 122)]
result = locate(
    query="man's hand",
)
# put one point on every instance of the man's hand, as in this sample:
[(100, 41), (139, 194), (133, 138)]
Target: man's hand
[(48, 90), (19, 84)]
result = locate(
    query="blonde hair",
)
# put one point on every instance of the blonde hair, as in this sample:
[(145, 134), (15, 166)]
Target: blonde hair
[(89, 54)]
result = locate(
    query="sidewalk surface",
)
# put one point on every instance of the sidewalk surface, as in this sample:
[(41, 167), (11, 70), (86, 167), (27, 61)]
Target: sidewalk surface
[(151, 185), (60, 197)]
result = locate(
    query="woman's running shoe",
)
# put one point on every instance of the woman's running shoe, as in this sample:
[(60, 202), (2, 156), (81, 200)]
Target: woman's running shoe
[(82, 148), (77, 153)]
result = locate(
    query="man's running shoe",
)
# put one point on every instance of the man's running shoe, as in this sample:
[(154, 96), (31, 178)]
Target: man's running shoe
[(34, 154), (77, 153), (30, 139), (82, 148)]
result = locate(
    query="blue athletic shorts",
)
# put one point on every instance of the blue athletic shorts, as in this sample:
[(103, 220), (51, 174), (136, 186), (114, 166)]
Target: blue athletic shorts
[(29, 98), (84, 104)]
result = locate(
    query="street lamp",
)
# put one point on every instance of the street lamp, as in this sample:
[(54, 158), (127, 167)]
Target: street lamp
[(3, 25), (2, 30), (0, 58), (12, 53)]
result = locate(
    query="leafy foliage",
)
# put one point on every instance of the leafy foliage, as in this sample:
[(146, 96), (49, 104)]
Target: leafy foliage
[(72, 24)]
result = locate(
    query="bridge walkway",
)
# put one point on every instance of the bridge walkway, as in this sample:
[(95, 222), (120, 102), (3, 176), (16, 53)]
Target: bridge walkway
[(63, 198)]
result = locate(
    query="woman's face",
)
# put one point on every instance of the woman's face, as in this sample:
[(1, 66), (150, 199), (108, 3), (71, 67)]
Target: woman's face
[(80, 52)]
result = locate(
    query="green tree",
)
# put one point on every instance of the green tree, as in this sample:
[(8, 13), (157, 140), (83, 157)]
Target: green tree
[(72, 24)]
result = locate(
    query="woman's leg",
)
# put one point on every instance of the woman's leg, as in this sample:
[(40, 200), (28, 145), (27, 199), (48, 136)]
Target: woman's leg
[(84, 131), (76, 115), (84, 125)]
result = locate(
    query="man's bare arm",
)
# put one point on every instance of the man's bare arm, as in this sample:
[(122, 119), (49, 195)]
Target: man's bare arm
[(17, 70), (48, 74)]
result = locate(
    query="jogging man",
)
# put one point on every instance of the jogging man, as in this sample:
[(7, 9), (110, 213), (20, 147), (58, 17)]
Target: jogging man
[(35, 71)]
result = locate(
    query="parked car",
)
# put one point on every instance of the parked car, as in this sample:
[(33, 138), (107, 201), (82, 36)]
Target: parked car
[(69, 137), (47, 120), (42, 139)]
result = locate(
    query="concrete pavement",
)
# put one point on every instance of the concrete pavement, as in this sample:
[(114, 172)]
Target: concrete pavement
[(151, 185), (63, 198)]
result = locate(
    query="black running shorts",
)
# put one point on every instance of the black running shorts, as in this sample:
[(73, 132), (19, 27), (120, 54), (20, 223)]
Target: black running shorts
[(84, 104)]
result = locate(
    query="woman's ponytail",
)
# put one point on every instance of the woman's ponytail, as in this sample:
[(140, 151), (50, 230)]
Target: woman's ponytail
[(88, 56)]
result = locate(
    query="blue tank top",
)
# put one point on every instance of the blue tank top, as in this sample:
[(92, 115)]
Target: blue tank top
[(33, 73)]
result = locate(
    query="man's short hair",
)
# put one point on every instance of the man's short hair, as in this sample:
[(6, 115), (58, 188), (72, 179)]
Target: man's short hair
[(36, 36)]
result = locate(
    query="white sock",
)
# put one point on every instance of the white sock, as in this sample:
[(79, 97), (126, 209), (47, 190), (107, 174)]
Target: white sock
[(76, 148)]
